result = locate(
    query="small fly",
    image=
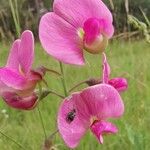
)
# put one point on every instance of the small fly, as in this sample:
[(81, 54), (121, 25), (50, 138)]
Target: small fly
[(70, 116)]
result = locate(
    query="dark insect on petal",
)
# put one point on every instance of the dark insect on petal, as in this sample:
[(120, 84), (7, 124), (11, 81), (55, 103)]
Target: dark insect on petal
[(70, 116)]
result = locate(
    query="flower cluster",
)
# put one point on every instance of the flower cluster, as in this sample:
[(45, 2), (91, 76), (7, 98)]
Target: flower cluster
[(72, 27), (90, 108), (17, 79)]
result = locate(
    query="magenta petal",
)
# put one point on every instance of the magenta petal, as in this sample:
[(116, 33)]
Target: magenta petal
[(102, 127), (103, 101), (60, 39), (24, 103), (13, 61), (106, 69), (12, 79), (35, 76), (70, 124), (120, 84), (76, 12), (5, 88), (22, 53), (78, 111), (26, 51), (91, 29), (108, 28), (94, 27)]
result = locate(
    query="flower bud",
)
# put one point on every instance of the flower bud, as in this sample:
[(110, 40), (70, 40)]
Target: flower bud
[(119, 84)]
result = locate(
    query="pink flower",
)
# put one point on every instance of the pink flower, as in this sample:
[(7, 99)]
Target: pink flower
[(75, 25), (118, 83), (89, 109), (17, 80)]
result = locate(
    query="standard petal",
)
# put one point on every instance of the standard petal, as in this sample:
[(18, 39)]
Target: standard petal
[(120, 84), (60, 39), (106, 69), (24, 103), (76, 12), (12, 79), (102, 127), (26, 51), (103, 101), (70, 124), (108, 28), (13, 61)]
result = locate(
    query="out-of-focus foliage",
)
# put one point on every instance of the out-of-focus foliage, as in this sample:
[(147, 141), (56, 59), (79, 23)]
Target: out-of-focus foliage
[(141, 26), (134, 7), (30, 11)]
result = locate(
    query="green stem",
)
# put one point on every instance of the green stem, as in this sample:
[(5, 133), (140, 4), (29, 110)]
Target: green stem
[(17, 26), (40, 115), (17, 14), (47, 92), (12, 140), (40, 88), (63, 79), (48, 142), (77, 85), (52, 134)]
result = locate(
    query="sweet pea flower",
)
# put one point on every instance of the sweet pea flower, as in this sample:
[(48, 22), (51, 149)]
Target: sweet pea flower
[(17, 79), (89, 109), (118, 83), (74, 26)]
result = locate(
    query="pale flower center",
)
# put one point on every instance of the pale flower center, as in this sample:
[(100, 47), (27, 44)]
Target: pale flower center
[(93, 119), (80, 33), (91, 36)]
